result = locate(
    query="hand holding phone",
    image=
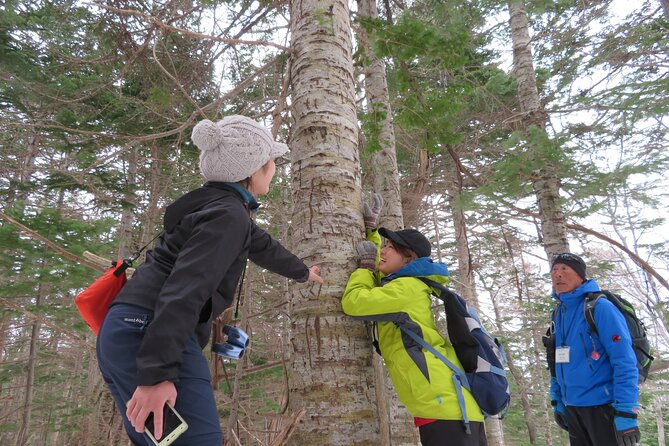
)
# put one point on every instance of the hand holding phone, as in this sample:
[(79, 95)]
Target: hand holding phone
[(148, 400), (173, 426)]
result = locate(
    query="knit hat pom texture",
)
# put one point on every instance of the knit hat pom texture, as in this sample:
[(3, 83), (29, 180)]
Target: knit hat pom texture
[(234, 148)]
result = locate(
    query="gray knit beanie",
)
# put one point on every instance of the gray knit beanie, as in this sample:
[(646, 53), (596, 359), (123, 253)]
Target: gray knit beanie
[(234, 148)]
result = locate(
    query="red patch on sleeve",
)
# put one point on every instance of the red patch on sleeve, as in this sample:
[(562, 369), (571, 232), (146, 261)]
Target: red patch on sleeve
[(615, 338)]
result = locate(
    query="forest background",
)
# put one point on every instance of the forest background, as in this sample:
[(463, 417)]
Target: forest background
[(506, 131)]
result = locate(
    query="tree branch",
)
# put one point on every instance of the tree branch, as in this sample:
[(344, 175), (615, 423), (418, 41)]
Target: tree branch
[(51, 244), (638, 260), (576, 227), (163, 25), (42, 320), (143, 138)]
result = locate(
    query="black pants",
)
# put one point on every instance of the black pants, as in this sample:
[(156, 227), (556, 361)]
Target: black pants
[(452, 433), (591, 426)]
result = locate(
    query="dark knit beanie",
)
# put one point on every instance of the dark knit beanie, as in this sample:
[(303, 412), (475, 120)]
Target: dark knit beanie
[(571, 260)]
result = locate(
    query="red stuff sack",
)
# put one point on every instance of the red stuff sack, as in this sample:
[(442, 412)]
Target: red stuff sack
[(93, 303)]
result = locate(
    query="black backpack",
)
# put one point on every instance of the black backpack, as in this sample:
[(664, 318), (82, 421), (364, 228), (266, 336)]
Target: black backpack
[(635, 326)]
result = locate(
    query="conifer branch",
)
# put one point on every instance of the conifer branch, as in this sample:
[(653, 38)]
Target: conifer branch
[(42, 320), (573, 226), (638, 260), (62, 251), (187, 123), (158, 23)]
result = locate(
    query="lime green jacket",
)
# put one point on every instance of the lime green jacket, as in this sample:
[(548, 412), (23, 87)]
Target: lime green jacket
[(423, 383)]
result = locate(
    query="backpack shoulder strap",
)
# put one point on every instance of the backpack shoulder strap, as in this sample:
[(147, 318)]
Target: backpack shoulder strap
[(552, 325), (589, 310), (435, 285), (459, 376), (423, 343)]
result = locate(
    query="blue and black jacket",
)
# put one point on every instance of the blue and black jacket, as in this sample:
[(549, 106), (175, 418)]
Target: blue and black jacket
[(601, 369)]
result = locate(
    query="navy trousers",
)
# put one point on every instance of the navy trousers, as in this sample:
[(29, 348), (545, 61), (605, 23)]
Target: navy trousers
[(117, 345)]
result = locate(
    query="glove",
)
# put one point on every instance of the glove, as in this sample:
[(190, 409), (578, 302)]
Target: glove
[(559, 409), (366, 255), (371, 215), (624, 420), (560, 414)]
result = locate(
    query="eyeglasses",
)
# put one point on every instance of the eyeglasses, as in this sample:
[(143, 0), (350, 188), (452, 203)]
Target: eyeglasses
[(235, 344)]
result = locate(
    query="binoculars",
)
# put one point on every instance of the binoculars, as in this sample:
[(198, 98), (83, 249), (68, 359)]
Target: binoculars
[(234, 346)]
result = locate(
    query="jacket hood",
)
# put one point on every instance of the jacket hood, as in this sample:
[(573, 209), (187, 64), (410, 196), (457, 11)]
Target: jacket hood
[(422, 267), (200, 197), (589, 286)]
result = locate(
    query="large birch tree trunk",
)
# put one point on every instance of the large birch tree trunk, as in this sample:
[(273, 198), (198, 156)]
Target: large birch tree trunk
[(331, 372), (545, 182)]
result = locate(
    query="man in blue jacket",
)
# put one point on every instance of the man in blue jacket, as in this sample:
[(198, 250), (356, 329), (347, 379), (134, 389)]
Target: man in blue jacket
[(595, 392)]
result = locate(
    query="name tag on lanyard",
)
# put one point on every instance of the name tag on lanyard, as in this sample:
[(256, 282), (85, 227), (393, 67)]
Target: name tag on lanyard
[(562, 354)]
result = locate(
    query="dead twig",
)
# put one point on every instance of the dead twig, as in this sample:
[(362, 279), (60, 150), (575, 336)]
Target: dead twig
[(160, 24)]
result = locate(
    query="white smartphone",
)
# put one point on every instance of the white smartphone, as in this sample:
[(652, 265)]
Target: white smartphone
[(173, 426)]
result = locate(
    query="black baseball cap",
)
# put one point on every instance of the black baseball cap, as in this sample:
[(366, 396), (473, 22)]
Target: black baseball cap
[(409, 238)]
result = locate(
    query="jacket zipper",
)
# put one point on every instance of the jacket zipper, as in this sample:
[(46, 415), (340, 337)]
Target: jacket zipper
[(585, 351), (561, 311)]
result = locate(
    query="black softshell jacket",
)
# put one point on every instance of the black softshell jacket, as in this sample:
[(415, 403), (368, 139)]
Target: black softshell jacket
[(190, 276)]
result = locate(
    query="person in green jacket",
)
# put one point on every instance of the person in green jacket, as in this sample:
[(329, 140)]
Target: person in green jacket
[(392, 296)]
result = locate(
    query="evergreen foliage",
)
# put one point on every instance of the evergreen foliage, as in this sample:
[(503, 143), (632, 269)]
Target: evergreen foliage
[(96, 107)]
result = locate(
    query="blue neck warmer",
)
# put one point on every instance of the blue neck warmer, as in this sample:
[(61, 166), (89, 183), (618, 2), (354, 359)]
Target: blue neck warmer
[(420, 267), (246, 196)]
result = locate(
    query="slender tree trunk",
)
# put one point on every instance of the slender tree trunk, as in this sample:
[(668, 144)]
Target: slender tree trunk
[(466, 285), (127, 215), (153, 212), (233, 418), (384, 174), (22, 176), (331, 372), (661, 439), (94, 384), (395, 423), (523, 386), (665, 7), (412, 202), (24, 430), (382, 395), (545, 182)]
